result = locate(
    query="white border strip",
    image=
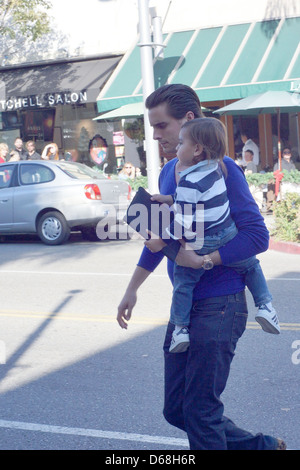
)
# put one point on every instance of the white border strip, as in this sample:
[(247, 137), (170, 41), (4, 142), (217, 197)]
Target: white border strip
[(74, 273), (183, 55), (292, 63), (267, 52), (169, 441), (209, 56), (238, 54)]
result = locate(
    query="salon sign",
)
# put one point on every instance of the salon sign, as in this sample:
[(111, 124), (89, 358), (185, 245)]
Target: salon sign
[(295, 86), (43, 101)]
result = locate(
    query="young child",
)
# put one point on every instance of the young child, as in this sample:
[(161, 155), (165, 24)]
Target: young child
[(201, 148)]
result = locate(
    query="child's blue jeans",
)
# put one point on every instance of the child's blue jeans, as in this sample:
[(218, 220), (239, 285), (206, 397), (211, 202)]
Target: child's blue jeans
[(185, 279)]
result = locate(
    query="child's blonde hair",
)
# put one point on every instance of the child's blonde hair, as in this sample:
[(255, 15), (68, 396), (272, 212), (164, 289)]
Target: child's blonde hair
[(3, 146)]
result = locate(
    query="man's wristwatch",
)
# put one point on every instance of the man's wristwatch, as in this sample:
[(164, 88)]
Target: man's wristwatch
[(207, 263)]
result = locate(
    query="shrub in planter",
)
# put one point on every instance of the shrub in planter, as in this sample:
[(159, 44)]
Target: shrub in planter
[(287, 218), (260, 179), (140, 181), (260, 183)]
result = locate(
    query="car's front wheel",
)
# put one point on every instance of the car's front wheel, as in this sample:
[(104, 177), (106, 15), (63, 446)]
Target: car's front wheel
[(52, 228)]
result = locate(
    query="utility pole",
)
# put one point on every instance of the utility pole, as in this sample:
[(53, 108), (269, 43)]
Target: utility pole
[(146, 45), (2, 91)]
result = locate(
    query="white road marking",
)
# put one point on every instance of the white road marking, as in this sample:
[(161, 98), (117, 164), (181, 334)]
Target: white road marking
[(78, 273), (67, 273), (109, 319), (168, 441)]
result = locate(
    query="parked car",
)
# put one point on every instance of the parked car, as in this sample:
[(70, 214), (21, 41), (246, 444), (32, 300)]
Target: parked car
[(52, 198)]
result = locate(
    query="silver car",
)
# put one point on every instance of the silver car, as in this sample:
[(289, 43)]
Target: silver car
[(52, 198)]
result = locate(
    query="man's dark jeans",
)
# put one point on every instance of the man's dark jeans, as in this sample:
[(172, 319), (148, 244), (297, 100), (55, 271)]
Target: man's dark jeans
[(195, 380)]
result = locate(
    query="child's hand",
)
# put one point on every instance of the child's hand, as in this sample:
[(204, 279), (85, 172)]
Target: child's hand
[(154, 244), (163, 199)]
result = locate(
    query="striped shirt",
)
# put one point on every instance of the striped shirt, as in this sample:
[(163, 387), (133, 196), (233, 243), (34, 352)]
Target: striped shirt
[(201, 207)]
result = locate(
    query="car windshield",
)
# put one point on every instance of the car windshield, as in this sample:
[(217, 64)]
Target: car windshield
[(79, 171)]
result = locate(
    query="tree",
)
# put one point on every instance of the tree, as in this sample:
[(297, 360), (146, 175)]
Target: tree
[(24, 19)]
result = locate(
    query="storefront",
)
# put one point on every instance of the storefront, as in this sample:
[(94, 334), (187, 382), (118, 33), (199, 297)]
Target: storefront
[(223, 64), (56, 102)]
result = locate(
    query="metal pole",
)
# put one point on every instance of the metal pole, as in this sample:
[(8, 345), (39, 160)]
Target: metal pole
[(2, 93), (151, 146), (279, 142)]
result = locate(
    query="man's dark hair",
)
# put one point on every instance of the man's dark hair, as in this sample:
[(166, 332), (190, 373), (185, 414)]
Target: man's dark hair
[(246, 134), (179, 99)]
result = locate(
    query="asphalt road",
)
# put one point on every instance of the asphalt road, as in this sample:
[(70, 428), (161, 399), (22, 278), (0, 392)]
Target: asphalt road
[(72, 379)]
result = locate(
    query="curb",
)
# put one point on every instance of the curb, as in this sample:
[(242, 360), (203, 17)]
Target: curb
[(285, 247)]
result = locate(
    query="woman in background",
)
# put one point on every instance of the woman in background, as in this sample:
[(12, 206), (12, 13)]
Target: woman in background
[(3, 152), (127, 172), (50, 152)]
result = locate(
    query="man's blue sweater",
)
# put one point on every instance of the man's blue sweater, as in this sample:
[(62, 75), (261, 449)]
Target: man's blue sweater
[(252, 237)]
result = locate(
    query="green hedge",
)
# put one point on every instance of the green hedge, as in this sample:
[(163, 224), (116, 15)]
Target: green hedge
[(287, 218), (259, 179)]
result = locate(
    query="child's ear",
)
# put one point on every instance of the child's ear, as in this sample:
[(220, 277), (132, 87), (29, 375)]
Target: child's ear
[(198, 150)]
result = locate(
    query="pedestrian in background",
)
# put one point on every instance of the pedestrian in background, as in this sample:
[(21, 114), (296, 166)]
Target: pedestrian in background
[(249, 144), (20, 149), (50, 152), (286, 162), (127, 172), (3, 152), (250, 165), (31, 152)]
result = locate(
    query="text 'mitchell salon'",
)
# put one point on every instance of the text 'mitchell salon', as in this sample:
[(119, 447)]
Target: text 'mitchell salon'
[(54, 101), (42, 101)]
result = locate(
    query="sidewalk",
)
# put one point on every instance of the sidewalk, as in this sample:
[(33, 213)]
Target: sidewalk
[(285, 247)]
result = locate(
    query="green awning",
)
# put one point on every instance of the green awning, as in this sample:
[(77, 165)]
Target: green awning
[(219, 63), (126, 111), (130, 110)]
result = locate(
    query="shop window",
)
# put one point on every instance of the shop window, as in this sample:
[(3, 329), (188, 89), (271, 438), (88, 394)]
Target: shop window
[(38, 125)]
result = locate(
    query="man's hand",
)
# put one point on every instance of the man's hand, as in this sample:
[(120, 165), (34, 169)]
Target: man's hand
[(163, 199), (189, 259), (129, 300), (125, 308), (155, 244)]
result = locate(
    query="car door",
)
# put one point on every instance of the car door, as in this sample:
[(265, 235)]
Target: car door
[(6, 197), (31, 195)]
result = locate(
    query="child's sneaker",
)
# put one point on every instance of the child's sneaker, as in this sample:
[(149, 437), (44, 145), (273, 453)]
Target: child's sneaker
[(267, 318), (180, 340), (281, 445)]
